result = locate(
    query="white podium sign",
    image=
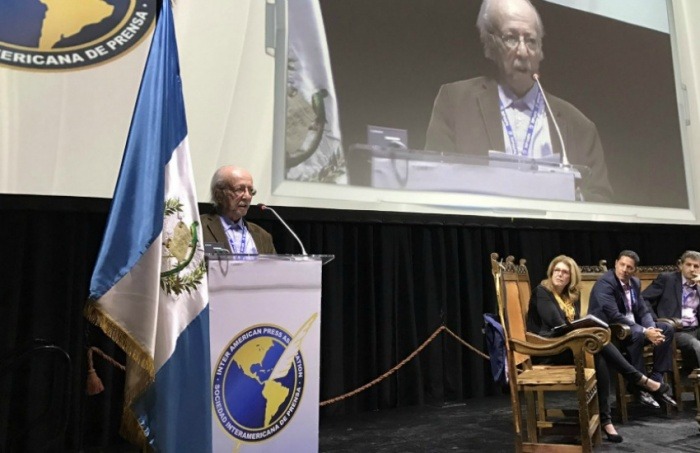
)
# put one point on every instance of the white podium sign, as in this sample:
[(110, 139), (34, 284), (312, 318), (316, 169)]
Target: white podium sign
[(265, 353)]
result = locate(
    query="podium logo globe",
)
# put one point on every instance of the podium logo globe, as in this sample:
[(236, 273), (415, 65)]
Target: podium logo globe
[(258, 382)]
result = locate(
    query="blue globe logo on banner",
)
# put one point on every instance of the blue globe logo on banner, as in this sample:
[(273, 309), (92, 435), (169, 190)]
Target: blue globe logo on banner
[(69, 34), (258, 383)]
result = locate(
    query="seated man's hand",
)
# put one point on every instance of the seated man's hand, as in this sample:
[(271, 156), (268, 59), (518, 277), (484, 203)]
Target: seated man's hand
[(654, 335)]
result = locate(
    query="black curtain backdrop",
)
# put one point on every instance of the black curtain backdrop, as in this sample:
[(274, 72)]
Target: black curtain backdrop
[(394, 280)]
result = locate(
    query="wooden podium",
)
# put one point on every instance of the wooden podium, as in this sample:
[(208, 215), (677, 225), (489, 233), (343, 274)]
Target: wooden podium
[(265, 351)]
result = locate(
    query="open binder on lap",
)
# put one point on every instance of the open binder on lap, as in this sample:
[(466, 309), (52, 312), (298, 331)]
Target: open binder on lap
[(586, 321)]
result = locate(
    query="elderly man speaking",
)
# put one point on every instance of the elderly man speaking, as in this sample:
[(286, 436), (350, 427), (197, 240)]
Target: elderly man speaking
[(508, 112), (231, 193)]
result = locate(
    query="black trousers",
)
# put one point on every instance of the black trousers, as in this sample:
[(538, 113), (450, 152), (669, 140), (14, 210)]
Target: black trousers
[(663, 353), (611, 358)]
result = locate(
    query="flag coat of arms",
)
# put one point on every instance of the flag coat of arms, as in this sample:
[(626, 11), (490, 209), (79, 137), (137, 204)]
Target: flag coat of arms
[(149, 290)]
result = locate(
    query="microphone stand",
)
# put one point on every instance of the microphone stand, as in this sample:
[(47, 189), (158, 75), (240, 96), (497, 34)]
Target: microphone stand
[(265, 207), (565, 158)]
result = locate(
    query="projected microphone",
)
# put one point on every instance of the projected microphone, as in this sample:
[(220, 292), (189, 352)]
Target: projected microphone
[(564, 157), (264, 207)]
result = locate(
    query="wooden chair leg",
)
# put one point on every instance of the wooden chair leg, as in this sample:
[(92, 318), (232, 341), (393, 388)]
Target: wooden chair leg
[(621, 398), (597, 436), (531, 417), (584, 419)]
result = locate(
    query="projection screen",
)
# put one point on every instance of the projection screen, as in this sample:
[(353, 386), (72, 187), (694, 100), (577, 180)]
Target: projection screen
[(634, 76), (616, 62)]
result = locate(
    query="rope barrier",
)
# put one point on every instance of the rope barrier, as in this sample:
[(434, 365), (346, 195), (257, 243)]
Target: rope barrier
[(401, 364), (95, 388)]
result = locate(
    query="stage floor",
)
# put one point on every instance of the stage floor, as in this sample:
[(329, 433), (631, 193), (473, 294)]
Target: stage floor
[(485, 425), (481, 425)]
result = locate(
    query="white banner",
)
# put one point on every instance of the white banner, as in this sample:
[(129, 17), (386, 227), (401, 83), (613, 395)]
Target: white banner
[(265, 354)]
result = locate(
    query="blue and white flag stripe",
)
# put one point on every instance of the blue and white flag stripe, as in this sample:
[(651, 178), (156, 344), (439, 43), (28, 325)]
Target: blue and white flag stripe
[(136, 216), (149, 288)]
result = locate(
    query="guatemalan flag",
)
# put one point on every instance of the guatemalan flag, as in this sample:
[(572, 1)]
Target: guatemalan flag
[(149, 289)]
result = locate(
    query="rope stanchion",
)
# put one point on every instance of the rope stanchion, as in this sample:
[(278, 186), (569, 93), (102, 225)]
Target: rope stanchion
[(401, 364)]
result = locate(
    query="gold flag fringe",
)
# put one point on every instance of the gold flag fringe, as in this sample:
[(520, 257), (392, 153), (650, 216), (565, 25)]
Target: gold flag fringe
[(131, 430), (145, 370), (123, 339)]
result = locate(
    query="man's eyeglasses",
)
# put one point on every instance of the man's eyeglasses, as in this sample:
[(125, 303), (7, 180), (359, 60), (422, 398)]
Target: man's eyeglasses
[(241, 190), (513, 41)]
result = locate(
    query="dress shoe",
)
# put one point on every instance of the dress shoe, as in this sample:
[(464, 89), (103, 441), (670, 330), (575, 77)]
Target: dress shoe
[(662, 395), (646, 399), (614, 438)]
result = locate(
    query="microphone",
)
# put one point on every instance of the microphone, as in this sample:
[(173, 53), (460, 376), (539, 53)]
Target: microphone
[(564, 157), (264, 208)]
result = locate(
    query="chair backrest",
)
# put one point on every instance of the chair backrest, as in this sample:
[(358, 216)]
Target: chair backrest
[(522, 278), (647, 274), (508, 282), (590, 275)]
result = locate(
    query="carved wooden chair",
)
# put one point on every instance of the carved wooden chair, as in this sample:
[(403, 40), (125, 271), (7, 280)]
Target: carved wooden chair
[(531, 382)]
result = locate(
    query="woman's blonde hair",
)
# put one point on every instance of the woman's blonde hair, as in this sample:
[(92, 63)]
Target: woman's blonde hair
[(572, 291)]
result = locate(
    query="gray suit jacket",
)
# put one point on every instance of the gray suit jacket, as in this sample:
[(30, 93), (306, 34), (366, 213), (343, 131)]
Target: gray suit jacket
[(466, 119), (214, 232)]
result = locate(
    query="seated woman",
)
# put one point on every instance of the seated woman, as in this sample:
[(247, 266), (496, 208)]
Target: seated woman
[(556, 301)]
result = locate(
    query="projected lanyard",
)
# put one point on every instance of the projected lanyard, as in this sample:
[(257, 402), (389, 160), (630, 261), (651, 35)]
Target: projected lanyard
[(530, 128), (244, 239)]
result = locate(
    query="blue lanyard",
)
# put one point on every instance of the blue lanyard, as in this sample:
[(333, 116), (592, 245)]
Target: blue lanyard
[(633, 300), (244, 239), (530, 128)]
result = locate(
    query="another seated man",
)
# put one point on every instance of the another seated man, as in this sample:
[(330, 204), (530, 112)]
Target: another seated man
[(231, 193), (675, 295), (616, 299)]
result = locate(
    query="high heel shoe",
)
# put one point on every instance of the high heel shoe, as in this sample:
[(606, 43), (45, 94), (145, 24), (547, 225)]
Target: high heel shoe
[(643, 384), (614, 438)]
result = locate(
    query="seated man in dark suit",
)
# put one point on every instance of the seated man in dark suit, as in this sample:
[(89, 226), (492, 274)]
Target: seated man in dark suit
[(616, 299), (507, 112), (231, 193), (675, 295)]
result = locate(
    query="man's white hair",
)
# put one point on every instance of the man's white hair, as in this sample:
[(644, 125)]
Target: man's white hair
[(488, 20)]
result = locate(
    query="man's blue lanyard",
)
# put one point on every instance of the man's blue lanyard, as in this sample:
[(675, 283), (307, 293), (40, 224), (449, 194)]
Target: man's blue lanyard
[(633, 299), (530, 128), (244, 239)]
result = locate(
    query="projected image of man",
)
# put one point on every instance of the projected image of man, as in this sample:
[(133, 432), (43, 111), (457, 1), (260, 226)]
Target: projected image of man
[(508, 112)]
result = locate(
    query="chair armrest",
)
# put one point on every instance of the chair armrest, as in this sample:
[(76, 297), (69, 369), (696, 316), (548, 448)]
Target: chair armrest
[(591, 339), (620, 331), (676, 323)]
